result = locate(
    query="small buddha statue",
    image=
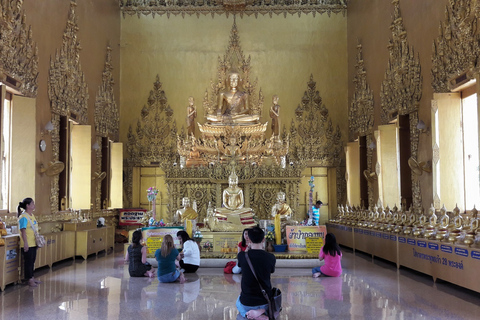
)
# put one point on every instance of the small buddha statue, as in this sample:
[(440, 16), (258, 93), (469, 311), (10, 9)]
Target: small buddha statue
[(275, 115), (422, 220), (186, 212), (457, 219), (444, 218), (474, 223), (281, 207), (432, 220), (191, 115)]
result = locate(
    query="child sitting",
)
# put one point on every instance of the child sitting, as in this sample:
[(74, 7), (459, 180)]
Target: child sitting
[(330, 252), (137, 257)]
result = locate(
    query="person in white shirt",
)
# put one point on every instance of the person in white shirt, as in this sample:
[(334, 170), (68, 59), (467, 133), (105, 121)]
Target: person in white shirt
[(190, 253)]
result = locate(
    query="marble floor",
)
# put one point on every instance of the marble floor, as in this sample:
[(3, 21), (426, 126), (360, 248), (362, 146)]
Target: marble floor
[(100, 288)]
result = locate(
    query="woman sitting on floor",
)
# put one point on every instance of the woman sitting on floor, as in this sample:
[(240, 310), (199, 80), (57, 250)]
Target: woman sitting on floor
[(137, 257), (190, 254), (166, 257)]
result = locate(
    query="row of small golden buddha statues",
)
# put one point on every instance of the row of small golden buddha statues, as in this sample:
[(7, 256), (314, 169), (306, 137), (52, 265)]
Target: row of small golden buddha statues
[(455, 227)]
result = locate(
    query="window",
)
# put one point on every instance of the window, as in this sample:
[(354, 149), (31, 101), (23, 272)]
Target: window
[(5, 147), (470, 152)]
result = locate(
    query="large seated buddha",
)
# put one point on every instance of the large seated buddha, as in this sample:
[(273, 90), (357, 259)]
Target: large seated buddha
[(233, 105)]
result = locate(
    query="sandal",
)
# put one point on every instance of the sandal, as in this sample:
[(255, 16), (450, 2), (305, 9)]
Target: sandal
[(32, 283)]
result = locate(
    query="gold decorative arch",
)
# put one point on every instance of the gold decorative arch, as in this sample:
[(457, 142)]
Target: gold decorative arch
[(361, 113), (153, 142), (456, 49), (313, 138), (18, 51), (67, 91), (107, 118), (401, 89)]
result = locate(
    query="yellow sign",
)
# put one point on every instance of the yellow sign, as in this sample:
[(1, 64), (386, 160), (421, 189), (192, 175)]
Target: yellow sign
[(314, 244), (153, 237), (297, 235)]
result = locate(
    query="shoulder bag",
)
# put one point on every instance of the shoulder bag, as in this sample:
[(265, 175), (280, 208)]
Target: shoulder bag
[(275, 306), (39, 239)]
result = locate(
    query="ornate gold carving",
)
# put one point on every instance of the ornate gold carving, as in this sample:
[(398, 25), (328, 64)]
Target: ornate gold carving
[(457, 47), (361, 115), (98, 173), (153, 143), (371, 168), (67, 88), (402, 88), (247, 7), (107, 118), (18, 51), (67, 91), (315, 139), (154, 140)]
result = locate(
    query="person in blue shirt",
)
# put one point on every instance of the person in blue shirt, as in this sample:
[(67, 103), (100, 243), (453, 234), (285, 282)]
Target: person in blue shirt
[(166, 257), (316, 213)]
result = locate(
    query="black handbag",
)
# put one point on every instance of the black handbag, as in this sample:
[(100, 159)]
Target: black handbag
[(275, 306)]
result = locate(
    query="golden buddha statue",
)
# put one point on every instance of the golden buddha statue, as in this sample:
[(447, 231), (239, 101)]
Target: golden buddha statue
[(233, 195), (185, 213), (281, 207), (281, 212), (191, 115), (275, 115), (422, 220), (444, 218), (233, 105), (233, 211), (457, 220), (432, 220)]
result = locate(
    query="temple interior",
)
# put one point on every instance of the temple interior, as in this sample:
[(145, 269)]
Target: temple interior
[(250, 109)]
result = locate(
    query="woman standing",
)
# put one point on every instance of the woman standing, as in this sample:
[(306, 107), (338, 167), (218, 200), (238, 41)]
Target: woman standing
[(27, 224), (137, 258), (190, 253), (166, 257)]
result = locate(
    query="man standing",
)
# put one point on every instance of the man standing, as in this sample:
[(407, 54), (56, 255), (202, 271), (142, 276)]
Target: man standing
[(251, 303), (316, 213)]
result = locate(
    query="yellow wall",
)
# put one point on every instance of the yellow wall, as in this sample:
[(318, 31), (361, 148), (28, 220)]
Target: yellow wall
[(184, 53)]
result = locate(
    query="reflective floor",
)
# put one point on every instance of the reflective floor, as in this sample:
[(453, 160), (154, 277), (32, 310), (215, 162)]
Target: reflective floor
[(100, 288)]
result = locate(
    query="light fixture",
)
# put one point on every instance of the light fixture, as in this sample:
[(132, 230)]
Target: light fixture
[(422, 127), (95, 146), (49, 127), (372, 145)]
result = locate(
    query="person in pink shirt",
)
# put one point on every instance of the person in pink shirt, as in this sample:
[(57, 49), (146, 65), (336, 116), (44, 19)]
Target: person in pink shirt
[(331, 254)]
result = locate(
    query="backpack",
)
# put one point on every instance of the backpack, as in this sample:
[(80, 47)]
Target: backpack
[(229, 266)]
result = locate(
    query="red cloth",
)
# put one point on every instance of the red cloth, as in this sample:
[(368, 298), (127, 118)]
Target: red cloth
[(229, 266), (242, 248)]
